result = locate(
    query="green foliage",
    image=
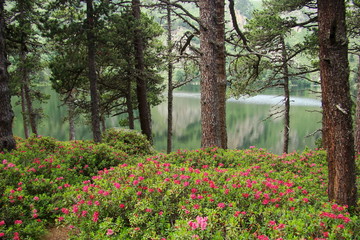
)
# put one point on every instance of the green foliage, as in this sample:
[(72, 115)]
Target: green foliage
[(129, 141), (207, 193), (201, 193)]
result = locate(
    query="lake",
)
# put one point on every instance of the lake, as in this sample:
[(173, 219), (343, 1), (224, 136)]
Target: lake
[(246, 124)]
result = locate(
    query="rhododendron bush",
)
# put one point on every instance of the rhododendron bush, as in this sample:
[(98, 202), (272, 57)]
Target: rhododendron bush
[(202, 194)]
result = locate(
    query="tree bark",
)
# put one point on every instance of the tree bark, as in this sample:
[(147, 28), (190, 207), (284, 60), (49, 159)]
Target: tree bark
[(71, 116), (24, 112), (170, 79), (357, 119), (72, 135), (286, 96), (129, 105), (210, 119), (336, 102), (221, 68), (30, 113), (7, 141), (141, 88), (94, 94)]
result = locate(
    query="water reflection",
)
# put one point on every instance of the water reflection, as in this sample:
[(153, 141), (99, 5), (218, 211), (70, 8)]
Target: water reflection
[(245, 122)]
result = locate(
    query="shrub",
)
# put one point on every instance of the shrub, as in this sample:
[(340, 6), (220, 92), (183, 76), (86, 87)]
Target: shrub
[(262, 196), (129, 141)]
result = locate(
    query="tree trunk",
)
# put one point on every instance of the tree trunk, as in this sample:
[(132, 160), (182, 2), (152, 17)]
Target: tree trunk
[(286, 96), (30, 113), (357, 119), (94, 94), (24, 113), (71, 112), (210, 119), (221, 68), (141, 89), (336, 102), (103, 124), (170, 79), (129, 105), (7, 141)]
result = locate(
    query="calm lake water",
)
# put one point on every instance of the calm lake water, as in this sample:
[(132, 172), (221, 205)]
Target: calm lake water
[(245, 122)]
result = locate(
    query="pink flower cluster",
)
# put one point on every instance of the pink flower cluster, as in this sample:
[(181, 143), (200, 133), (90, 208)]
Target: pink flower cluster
[(201, 222)]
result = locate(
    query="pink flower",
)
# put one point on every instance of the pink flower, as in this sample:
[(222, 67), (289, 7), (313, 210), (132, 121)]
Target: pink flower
[(221, 205), (36, 198), (16, 236), (109, 232), (75, 209), (272, 223), (117, 185), (2, 222), (196, 206), (95, 216), (60, 219), (122, 205), (18, 222), (202, 222), (263, 237), (326, 234), (341, 226), (139, 193), (2, 234), (65, 210)]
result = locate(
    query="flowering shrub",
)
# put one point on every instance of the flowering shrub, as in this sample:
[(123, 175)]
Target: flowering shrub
[(100, 192), (182, 196), (35, 178)]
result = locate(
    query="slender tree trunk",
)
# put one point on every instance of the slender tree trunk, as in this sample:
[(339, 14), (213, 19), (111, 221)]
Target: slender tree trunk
[(210, 120), (170, 80), (31, 115), (71, 113), (24, 112), (94, 94), (336, 102), (221, 68), (141, 89), (103, 124), (7, 141), (129, 106), (286, 96), (357, 119)]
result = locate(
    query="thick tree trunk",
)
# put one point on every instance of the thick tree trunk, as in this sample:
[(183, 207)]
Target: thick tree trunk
[(221, 68), (210, 119), (336, 102), (24, 112), (286, 97), (141, 89), (94, 94), (357, 119), (7, 141), (170, 79)]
